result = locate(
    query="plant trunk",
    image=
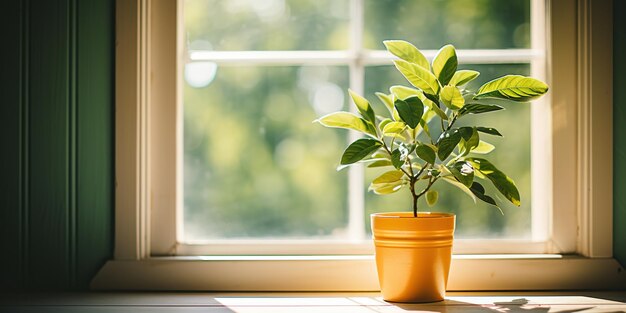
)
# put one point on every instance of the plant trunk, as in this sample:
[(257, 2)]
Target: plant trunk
[(414, 197)]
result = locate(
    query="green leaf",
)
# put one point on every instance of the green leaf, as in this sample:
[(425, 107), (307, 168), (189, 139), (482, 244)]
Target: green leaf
[(359, 149), (478, 108), (483, 147), (489, 130), (433, 172), (466, 132), (471, 139), (463, 77), (433, 98), (463, 172), (452, 98), (363, 106), (503, 183), (388, 182), (431, 197), (345, 120), (402, 92), (445, 64), (396, 158), (406, 51), (455, 183), (399, 155), (426, 153), (418, 76), (410, 110), (513, 87), (446, 143), (479, 191)]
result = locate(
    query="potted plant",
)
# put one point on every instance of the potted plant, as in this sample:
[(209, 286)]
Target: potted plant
[(422, 145)]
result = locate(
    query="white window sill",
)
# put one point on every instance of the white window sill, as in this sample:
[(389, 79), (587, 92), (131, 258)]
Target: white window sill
[(354, 273)]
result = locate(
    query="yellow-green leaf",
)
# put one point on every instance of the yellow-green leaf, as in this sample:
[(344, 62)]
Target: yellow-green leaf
[(387, 100), (406, 51), (513, 87), (388, 182), (445, 64), (394, 128), (403, 92), (483, 148), (452, 97), (431, 197), (368, 161), (345, 120), (462, 77), (380, 163), (418, 76), (363, 106), (450, 180)]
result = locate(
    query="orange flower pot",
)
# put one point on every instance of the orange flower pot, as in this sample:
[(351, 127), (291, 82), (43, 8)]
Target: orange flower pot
[(413, 254)]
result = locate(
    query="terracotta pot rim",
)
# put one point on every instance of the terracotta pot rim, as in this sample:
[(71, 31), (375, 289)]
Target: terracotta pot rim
[(428, 215)]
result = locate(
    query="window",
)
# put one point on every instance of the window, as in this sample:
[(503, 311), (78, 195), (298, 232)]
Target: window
[(149, 171), (256, 75)]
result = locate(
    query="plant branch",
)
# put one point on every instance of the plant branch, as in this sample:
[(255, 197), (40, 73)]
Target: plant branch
[(389, 152), (431, 181), (454, 118)]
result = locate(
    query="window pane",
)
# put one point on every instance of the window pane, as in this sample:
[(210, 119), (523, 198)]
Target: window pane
[(267, 24), (512, 156), (255, 164), (430, 24)]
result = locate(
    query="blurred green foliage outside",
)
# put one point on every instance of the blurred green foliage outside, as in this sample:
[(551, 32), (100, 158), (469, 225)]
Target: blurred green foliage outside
[(255, 166)]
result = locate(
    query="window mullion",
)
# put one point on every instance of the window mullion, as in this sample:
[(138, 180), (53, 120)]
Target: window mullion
[(356, 203), (541, 115)]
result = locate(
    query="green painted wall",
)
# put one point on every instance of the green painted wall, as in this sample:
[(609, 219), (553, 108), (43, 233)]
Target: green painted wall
[(56, 134), (619, 131)]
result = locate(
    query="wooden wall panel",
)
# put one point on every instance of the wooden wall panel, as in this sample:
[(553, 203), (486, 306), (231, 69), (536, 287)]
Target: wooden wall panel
[(12, 106), (50, 210), (95, 59), (56, 130)]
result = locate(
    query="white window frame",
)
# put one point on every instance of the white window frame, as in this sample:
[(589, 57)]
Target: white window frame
[(580, 145), (356, 58)]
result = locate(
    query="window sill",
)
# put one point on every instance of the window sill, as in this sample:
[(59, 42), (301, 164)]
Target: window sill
[(354, 273), (486, 302)]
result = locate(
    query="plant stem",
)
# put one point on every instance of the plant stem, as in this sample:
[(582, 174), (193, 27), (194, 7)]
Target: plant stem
[(412, 182), (452, 121), (415, 196)]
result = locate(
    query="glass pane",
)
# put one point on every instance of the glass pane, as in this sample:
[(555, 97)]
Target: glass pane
[(512, 156), (255, 164), (467, 24), (266, 25)]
